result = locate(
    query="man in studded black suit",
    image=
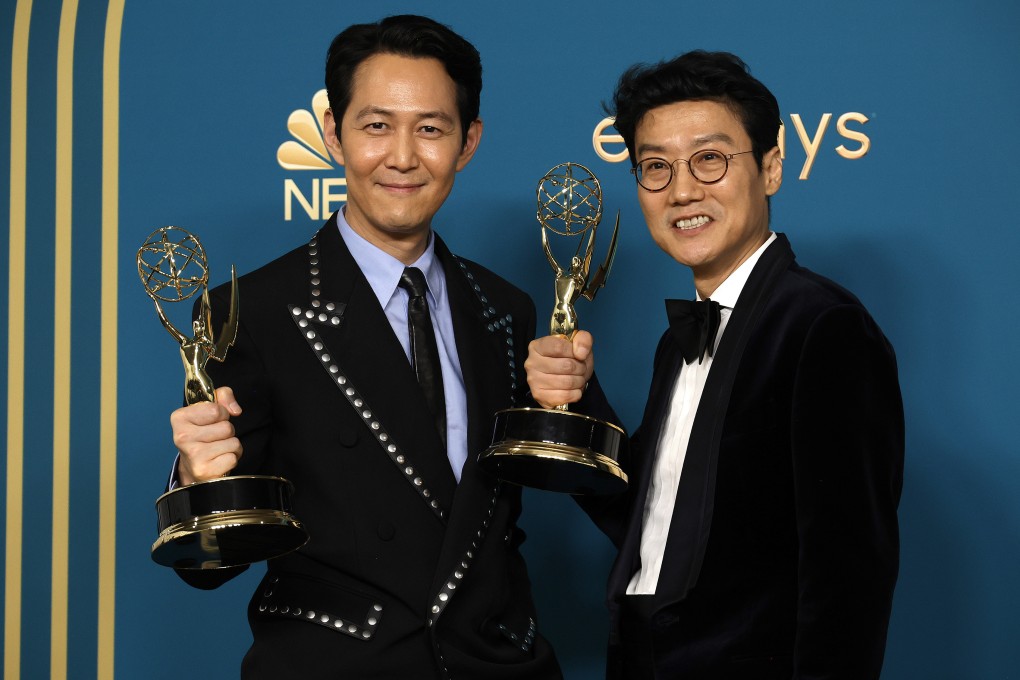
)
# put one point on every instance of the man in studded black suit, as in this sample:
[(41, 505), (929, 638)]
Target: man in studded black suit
[(412, 568), (758, 538)]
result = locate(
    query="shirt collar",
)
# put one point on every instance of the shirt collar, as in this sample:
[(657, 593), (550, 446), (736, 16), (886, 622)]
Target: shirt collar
[(729, 290), (383, 270)]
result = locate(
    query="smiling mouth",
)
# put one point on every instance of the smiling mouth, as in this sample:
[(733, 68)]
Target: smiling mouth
[(692, 223), (401, 187)]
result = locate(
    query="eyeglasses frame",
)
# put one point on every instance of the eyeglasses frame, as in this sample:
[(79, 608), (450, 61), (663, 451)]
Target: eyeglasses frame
[(672, 173)]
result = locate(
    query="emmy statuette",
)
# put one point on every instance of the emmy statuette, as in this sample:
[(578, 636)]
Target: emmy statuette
[(233, 520), (554, 449)]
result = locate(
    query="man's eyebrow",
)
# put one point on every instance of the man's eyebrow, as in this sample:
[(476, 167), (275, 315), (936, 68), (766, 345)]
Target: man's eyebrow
[(713, 137), (438, 115), (373, 111), (700, 140), (424, 115), (650, 148)]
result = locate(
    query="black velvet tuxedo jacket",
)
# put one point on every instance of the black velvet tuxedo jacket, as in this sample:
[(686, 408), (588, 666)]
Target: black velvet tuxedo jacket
[(782, 553), (407, 573)]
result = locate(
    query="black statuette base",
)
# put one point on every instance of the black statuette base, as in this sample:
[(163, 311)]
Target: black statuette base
[(556, 451), (226, 522)]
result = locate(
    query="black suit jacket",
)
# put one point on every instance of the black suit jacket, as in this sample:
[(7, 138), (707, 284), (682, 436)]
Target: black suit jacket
[(782, 551), (406, 573)]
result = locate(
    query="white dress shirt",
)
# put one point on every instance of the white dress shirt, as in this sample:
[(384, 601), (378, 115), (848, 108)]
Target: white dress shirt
[(675, 436)]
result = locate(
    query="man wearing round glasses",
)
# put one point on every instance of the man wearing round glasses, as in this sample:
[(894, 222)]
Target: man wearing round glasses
[(758, 538)]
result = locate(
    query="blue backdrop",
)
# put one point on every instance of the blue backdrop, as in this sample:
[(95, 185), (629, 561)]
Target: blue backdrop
[(901, 157)]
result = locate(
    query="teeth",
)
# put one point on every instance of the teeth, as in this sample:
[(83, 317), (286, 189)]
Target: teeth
[(691, 223)]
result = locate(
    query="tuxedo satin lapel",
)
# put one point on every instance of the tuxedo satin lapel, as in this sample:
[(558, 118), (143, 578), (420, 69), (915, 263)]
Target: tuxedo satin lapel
[(692, 516), (373, 362), (670, 359)]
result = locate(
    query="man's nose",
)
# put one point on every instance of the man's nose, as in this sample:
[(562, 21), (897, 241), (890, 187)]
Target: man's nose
[(403, 153), (684, 188)]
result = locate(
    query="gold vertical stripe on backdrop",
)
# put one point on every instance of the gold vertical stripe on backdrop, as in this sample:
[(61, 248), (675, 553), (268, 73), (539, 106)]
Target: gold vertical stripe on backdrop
[(16, 341), (108, 342), (62, 341)]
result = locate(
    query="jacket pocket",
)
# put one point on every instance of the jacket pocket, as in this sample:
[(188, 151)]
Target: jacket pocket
[(311, 600)]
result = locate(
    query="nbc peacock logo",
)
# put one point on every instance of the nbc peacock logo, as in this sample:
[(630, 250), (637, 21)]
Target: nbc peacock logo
[(318, 197)]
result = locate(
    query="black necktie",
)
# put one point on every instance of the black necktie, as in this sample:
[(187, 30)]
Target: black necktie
[(424, 351), (694, 325)]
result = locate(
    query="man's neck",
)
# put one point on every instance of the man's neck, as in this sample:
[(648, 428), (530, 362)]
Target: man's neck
[(406, 250), (706, 281), (404, 247), (726, 289)]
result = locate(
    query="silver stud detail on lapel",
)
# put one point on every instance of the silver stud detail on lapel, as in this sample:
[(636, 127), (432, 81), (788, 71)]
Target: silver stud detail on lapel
[(447, 591), (316, 292), (306, 320), (365, 412), (495, 324)]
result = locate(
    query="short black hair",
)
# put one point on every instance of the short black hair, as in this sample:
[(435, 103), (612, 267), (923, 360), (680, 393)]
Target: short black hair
[(698, 76), (405, 35)]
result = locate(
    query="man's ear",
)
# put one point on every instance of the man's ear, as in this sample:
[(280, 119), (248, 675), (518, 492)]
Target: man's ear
[(474, 137), (772, 166), (331, 138)]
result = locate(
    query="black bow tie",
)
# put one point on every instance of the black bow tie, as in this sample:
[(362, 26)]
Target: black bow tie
[(694, 325)]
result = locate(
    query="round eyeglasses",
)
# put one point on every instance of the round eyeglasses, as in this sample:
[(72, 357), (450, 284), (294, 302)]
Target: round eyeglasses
[(708, 166)]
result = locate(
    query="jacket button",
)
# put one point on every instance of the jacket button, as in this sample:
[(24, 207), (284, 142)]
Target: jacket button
[(664, 620), (348, 437), (386, 531)]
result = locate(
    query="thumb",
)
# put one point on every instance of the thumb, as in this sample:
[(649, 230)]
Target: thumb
[(225, 398), (582, 345)]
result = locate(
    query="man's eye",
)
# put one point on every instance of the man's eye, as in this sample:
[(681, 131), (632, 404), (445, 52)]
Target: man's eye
[(430, 129), (376, 126), (709, 156), (655, 166)]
